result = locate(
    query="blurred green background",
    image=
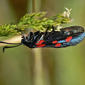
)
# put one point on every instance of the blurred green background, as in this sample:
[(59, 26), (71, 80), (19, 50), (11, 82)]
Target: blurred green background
[(47, 66)]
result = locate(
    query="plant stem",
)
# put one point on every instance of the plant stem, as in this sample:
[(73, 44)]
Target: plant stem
[(38, 68), (33, 6)]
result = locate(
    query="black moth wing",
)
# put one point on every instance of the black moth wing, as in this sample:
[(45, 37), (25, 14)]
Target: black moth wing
[(52, 36), (64, 33), (49, 37), (72, 30)]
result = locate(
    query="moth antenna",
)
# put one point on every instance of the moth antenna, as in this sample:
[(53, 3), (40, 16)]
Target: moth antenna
[(8, 43), (10, 47)]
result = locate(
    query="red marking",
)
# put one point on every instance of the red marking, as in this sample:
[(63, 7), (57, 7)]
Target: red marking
[(68, 39), (42, 45), (58, 45), (54, 42), (40, 42)]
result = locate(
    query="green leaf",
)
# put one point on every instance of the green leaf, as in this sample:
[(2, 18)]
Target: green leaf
[(36, 21)]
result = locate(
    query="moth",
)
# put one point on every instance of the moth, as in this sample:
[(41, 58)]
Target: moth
[(68, 36)]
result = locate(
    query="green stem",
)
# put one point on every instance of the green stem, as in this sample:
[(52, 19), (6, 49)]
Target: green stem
[(33, 5), (38, 68)]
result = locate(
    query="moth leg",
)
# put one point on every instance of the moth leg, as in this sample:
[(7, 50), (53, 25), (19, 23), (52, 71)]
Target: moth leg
[(29, 36), (36, 35), (46, 32), (53, 28), (33, 37), (46, 35)]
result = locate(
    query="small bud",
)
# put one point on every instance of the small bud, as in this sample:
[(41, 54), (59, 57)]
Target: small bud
[(67, 12)]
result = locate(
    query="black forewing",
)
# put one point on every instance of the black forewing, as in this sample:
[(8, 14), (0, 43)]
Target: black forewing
[(56, 35)]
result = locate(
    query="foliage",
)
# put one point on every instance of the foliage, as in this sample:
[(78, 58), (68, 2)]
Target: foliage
[(36, 21)]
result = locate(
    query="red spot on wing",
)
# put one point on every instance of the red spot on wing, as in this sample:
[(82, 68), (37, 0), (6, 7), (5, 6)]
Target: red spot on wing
[(40, 42), (42, 45), (58, 45), (54, 42), (68, 39)]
